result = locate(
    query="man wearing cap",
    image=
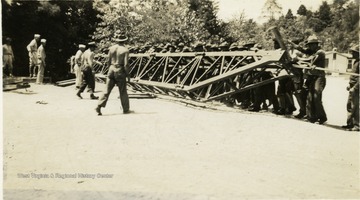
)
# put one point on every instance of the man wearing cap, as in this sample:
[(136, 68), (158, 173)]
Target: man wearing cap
[(41, 55), (316, 80), (77, 69), (352, 123), (32, 49), (87, 63), (8, 57), (118, 73)]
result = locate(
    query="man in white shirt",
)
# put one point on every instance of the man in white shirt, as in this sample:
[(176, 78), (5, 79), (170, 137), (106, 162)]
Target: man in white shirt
[(87, 65), (32, 49), (77, 70), (41, 55)]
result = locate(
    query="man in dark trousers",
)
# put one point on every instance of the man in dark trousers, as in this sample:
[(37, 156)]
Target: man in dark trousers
[(316, 80), (352, 106), (118, 74), (87, 63)]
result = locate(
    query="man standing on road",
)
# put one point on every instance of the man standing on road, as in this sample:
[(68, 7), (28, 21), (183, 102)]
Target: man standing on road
[(41, 62), (77, 66), (298, 79), (118, 73), (316, 81), (352, 106), (87, 68), (32, 49), (8, 57)]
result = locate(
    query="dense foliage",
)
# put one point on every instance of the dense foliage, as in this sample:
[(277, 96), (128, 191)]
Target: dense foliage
[(65, 24)]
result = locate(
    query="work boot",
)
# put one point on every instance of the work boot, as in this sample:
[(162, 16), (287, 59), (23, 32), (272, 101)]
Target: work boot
[(322, 120), (79, 95), (288, 112), (281, 111), (347, 126), (311, 120), (93, 97), (354, 129), (128, 112), (254, 109), (300, 115), (98, 110), (264, 106)]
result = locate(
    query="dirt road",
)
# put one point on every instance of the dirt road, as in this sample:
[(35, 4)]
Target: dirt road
[(56, 147)]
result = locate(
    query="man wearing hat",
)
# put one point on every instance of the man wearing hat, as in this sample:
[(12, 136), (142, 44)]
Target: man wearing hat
[(87, 63), (352, 123), (233, 47), (198, 46), (316, 80), (224, 46), (41, 55), (8, 57), (32, 49), (118, 62), (170, 48), (207, 47), (180, 47), (77, 66)]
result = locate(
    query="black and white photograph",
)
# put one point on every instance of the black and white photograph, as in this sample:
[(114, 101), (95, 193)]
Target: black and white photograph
[(180, 99)]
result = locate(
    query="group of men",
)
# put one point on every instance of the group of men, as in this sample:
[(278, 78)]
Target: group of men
[(83, 68), (308, 92), (37, 58), (197, 46), (118, 73), (306, 85)]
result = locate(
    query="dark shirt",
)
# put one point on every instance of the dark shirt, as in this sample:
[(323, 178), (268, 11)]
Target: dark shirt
[(318, 60), (354, 80)]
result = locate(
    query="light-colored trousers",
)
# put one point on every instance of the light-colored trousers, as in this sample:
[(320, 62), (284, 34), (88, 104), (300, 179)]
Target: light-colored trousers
[(40, 74), (78, 76), (33, 62)]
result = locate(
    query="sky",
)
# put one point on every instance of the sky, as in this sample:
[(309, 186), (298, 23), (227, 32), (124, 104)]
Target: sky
[(253, 8)]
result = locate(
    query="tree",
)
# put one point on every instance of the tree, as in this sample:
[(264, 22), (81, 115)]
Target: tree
[(325, 14), (289, 15), (271, 10), (302, 10), (206, 10), (241, 29), (63, 24), (156, 21), (340, 3)]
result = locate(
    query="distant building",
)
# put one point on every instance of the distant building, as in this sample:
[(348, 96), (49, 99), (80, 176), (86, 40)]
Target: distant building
[(336, 61)]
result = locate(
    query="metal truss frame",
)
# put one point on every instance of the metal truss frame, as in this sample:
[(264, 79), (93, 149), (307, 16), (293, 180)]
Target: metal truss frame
[(204, 76)]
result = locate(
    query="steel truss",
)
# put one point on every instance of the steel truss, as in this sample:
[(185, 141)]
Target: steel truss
[(206, 76), (203, 76)]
